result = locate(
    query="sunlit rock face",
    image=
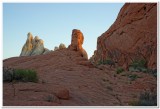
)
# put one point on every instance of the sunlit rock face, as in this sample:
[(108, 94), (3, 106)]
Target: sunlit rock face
[(133, 36), (33, 46), (27, 48), (77, 41)]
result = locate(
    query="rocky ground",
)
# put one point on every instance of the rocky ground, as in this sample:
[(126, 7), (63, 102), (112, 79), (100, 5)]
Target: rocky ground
[(68, 79)]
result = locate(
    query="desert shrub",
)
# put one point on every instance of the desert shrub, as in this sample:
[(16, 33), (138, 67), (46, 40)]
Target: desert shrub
[(152, 72), (141, 66), (119, 70), (138, 65), (100, 62), (146, 98), (109, 62), (106, 62), (8, 74), (52, 98), (25, 75), (49, 98), (133, 77)]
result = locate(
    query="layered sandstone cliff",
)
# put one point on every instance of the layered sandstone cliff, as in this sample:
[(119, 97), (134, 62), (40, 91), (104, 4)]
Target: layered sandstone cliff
[(133, 36), (33, 46)]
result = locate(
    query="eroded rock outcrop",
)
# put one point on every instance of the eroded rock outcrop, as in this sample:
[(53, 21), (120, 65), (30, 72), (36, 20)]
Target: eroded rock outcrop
[(33, 46), (133, 36), (77, 41), (62, 46)]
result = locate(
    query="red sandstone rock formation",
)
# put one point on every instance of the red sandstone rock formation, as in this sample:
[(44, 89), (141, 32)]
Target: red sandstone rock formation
[(77, 41), (68, 79), (132, 36)]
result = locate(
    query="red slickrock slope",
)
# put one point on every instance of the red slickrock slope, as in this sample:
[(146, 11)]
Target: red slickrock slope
[(66, 78)]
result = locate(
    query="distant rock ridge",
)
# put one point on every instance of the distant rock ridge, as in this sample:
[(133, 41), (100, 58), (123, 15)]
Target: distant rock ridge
[(33, 46), (133, 36), (77, 41)]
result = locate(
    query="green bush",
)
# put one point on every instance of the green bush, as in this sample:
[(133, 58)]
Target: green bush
[(25, 75), (106, 62), (99, 62), (141, 66), (133, 77), (109, 62), (152, 72), (11, 74), (138, 65), (147, 98), (119, 70)]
